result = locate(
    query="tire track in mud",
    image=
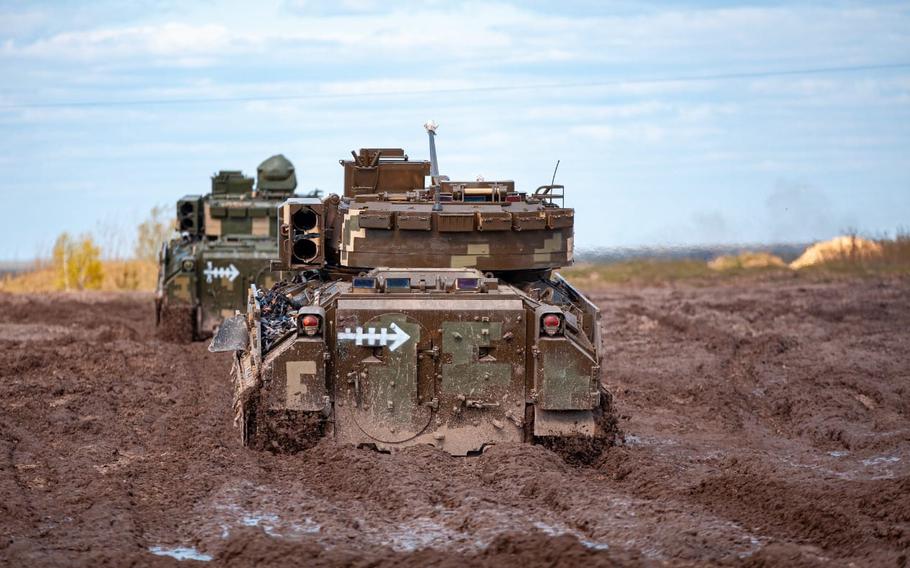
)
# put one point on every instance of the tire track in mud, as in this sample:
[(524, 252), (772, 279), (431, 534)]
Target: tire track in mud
[(17, 506), (423, 497), (785, 475), (739, 352), (766, 425)]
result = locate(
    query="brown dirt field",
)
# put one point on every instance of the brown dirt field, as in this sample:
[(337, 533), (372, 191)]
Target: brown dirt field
[(766, 425)]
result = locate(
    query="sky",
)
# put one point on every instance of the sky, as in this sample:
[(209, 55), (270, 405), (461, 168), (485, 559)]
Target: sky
[(675, 123)]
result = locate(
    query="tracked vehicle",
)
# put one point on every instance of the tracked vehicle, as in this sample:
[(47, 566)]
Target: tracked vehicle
[(419, 314), (226, 242)]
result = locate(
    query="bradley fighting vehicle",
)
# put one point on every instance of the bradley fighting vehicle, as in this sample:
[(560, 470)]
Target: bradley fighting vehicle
[(419, 314), (226, 241)]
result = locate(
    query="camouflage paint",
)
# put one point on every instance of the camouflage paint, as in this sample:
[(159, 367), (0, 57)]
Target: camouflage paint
[(234, 227), (476, 368)]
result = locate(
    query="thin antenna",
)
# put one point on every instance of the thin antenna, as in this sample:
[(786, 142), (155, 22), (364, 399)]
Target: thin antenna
[(553, 181), (434, 164)]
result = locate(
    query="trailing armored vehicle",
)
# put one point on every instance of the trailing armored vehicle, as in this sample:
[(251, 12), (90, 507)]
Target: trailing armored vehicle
[(420, 314), (226, 241)]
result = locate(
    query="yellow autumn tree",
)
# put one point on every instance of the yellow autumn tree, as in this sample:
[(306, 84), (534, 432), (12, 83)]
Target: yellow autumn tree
[(156, 229), (77, 263)]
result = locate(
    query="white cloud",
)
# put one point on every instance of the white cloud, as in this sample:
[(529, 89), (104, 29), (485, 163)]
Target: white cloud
[(481, 33), (21, 23), (398, 85), (174, 39), (839, 90), (638, 133), (669, 111)]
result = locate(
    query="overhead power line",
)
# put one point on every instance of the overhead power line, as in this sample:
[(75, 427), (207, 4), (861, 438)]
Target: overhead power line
[(455, 90)]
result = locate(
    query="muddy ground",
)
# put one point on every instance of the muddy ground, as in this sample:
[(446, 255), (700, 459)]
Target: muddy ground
[(767, 424)]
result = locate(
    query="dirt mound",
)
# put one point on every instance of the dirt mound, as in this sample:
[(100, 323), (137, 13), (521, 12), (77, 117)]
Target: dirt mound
[(837, 249), (746, 260), (764, 425)]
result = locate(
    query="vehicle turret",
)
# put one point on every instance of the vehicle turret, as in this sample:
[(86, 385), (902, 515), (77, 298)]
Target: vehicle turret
[(276, 177)]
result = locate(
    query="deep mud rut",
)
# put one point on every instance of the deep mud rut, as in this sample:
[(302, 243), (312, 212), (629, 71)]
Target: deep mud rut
[(766, 424)]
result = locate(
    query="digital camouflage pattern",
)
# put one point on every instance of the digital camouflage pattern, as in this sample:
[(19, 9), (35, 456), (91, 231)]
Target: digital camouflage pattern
[(225, 244), (416, 314)]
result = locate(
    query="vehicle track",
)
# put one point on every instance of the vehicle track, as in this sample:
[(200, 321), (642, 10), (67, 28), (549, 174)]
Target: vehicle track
[(766, 424)]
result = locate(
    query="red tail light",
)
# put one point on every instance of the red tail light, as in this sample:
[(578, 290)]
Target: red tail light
[(310, 324), (551, 324)]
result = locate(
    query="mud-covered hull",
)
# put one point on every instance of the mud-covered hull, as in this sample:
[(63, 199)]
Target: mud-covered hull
[(226, 243), (201, 283), (444, 357)]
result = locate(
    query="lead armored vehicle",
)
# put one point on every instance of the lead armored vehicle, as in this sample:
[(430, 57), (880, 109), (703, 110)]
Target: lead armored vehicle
[(419, 313), (226, 241)]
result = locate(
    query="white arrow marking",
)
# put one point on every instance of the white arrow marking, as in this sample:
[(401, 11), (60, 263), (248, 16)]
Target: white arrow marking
[(230, 272), (395, 334)]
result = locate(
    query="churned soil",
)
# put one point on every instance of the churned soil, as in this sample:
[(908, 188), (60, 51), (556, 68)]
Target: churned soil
[(766, 424)]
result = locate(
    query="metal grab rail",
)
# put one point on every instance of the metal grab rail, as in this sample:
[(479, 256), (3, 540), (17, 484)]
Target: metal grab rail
[(549, 193)]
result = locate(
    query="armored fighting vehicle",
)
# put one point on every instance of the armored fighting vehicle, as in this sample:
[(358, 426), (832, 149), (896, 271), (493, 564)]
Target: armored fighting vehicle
[(226, 241), (419, 313)]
